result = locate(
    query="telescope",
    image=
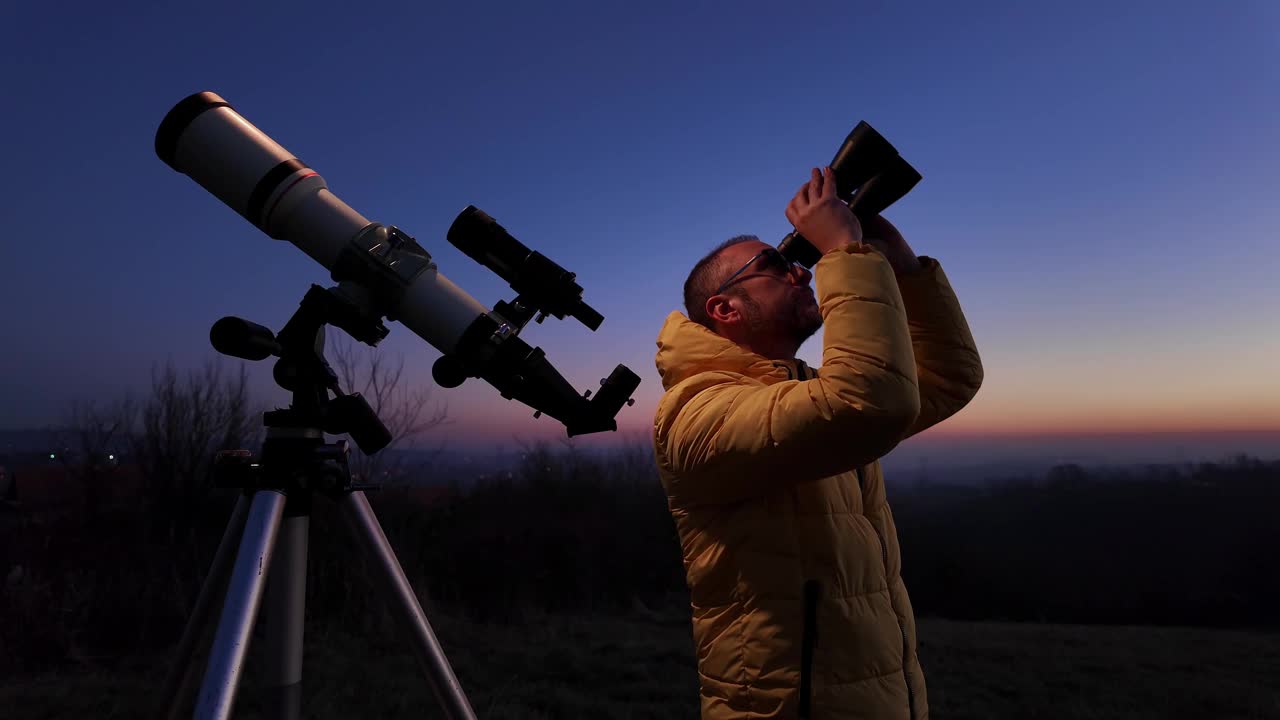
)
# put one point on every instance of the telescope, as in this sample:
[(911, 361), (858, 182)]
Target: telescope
[(870, 176), (381, 271)]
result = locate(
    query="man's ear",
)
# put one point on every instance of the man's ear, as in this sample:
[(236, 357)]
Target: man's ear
[(721, 309)]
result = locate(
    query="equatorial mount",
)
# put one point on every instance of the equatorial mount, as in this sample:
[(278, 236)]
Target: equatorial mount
[(303, 370)]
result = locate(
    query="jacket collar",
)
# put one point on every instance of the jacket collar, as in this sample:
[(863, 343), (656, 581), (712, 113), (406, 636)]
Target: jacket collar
[(686, 348)]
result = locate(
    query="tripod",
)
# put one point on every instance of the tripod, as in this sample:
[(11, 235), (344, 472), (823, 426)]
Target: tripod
[(262, 557)]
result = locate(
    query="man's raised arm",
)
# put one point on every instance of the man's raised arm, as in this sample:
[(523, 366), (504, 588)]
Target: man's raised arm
[(946, 357), (723, 440), (947, 361)]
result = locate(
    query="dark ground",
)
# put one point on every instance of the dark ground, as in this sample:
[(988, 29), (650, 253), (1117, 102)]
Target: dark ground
[(641, 666), (1070, 596)]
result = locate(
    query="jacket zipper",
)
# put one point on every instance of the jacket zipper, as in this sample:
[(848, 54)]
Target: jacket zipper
[(809, 638), (902, 629)]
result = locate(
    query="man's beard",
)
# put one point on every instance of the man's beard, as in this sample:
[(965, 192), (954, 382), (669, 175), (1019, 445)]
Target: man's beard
[(806, 321), (798, 323)]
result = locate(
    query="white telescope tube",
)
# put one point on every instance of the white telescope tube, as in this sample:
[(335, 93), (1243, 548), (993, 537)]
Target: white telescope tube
[(205, 138)]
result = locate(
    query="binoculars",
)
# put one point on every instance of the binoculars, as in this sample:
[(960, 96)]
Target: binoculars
[(870, 176)]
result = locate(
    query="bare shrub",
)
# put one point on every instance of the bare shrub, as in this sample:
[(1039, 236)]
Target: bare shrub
[(183, 422), (93, 432), (406, 410)]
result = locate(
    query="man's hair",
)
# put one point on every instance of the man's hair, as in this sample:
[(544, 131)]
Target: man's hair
[(704, 278)]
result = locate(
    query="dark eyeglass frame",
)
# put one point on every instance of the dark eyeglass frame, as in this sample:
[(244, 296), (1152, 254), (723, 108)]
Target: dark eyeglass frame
[(776, 262)]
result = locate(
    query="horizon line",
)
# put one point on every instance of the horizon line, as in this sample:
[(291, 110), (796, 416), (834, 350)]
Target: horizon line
[(932, 433)]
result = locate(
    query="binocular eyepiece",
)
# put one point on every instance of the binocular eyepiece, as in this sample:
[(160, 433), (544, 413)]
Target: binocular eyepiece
[(870, 176)]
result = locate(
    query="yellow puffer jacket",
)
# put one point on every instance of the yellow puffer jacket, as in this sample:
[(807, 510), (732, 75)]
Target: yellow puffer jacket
[(771, 474)]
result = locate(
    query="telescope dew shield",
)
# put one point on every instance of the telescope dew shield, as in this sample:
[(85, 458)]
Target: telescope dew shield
[(205, 138)]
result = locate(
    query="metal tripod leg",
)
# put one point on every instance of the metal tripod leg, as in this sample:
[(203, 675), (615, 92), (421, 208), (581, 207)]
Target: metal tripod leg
[(404, 603), (179, 678), (283, 613), (244, 596)]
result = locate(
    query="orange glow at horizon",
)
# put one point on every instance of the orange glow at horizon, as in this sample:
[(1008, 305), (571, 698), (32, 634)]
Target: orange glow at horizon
[(1126, 380), (1059, 427), (1106, 383), (991, 420)]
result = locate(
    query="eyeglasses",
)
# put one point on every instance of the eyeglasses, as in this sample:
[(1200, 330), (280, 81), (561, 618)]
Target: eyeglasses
[(773, 261)]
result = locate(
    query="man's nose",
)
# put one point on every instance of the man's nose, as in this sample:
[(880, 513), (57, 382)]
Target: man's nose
[(800, 274)]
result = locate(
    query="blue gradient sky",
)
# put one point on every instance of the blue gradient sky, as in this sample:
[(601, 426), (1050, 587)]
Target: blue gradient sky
[(1097, 181)]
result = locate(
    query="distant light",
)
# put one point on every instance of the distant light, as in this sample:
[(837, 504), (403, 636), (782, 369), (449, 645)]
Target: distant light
[(111, 457), (52, 456)]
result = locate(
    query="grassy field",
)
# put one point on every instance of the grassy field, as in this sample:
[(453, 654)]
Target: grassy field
[(642, 667)]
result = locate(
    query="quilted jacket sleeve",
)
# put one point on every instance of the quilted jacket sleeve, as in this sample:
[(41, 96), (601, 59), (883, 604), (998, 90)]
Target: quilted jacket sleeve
[(947, 362), (724, 439)]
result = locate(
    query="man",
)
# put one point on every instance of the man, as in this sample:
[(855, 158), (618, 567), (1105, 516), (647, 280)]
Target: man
[(771, 469)]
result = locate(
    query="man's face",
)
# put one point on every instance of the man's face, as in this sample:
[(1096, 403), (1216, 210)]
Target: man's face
[(774, 299)]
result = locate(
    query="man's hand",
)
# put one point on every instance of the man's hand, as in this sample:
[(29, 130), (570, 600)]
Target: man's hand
[(883, 236), (820, 216)]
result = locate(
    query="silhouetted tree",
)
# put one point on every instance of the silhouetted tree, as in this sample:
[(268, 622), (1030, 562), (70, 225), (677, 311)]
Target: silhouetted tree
[(406, 410), (183, 422), (94, 432)]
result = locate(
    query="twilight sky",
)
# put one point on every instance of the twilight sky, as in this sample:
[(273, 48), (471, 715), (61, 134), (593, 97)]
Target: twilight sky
[(1098, 181)]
